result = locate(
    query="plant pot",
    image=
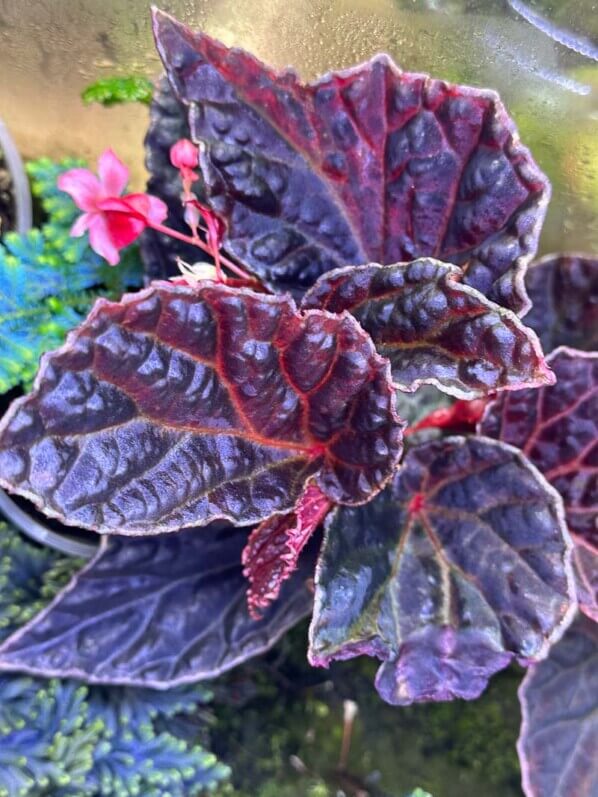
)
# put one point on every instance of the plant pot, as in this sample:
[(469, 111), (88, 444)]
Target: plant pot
[(15, 196)]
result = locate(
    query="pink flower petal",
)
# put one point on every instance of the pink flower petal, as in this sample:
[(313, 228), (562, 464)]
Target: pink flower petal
[(123, 228), (83, 186), (81, 224), (114, 175), (119, 204), (150, 207), (100, 239), (157, 211)]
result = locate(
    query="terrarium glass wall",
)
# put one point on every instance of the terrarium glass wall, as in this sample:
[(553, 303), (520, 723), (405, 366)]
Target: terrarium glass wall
[(539, 55)]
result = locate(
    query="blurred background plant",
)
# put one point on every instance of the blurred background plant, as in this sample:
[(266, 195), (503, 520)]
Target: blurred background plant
[(109, 91), (48, 280)]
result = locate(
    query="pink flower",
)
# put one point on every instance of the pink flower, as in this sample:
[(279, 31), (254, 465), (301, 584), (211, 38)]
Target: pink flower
[(113, 221)]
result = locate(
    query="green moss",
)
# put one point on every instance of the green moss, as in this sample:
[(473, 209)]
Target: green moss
[(280, 726)]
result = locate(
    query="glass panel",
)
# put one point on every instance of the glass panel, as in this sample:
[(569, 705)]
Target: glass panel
[(538, 55)]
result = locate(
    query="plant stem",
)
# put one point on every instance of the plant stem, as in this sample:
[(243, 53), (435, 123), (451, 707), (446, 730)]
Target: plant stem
[(188, 239)]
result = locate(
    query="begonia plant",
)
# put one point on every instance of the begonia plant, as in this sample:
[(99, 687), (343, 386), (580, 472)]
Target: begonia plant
[(370, 234)]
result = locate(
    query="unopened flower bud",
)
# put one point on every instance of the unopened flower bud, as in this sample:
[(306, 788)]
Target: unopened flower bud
[(184, 154)]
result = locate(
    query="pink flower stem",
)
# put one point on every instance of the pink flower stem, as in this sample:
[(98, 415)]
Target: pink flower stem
[(196, 241)]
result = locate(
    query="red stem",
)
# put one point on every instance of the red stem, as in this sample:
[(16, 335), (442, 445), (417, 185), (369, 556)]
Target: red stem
[(188, 239)]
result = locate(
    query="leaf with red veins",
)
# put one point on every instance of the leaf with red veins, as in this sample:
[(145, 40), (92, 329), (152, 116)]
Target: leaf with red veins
[(273, 549), (369, 164), (459, 566), (585, 567), (180, 405), (559, 732), (563, 290), (157, 611), (557, 428), (434, 329)]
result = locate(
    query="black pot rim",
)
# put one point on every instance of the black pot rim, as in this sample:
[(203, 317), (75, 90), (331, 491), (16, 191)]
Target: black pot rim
[(20, 183)]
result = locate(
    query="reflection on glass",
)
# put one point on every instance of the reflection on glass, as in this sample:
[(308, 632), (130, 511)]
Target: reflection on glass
[(540, 56)]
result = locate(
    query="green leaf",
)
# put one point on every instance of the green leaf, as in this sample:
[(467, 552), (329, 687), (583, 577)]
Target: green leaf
[(111, 91)]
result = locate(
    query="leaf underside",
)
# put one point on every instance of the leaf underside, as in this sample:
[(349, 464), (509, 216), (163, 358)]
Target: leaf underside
[(563, 290), (157, 611), (274, 547), (178, 406), (456, 568), (559, 734), (433, 329), (369, 164), (557, 428)]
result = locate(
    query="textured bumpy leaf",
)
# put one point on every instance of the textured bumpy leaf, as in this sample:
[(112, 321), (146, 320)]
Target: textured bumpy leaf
[(433, 329), (557, 428), (168, 124), (370, 164), (564, 294), (559, 734), (156, 611), (180, 405), (461, 564), (274, 547)]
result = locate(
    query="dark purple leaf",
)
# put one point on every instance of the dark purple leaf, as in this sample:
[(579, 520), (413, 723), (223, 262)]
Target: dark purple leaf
[(460, 565), (557, 428), (369, 164), (559, 734), (168, 124), (585, 567), (180, 405), (563, 290), (157, 611), (274, 547), (433, 329)]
